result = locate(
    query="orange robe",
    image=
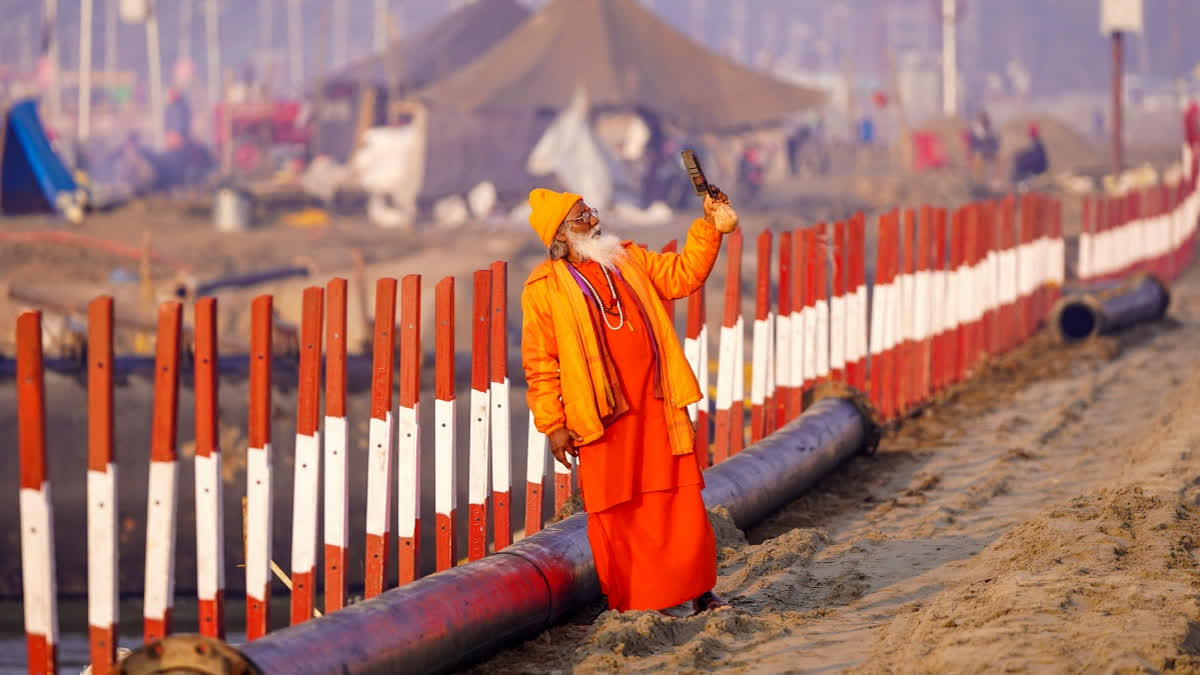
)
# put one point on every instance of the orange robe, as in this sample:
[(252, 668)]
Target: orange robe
[(647, 525)]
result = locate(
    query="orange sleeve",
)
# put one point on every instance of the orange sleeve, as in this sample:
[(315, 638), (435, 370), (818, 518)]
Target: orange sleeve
[(539, 357), (678, 275)]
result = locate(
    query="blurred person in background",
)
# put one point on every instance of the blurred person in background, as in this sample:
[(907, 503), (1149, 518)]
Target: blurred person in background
[(1031, 160), (983, 147), (609, 385)]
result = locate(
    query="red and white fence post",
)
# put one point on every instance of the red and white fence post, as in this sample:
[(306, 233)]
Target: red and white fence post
[(728, 369), (307, 464), (37, 521), (923, 307), (445, 498), (408, 434), (535, 476), (501, 435), (857, 317), (103, 596), (816, 246), (479, 422), (837, 305), (164, 477), (800, 346), (883, 305), (761, 363), (380, 438), (210, 509), (695, 348), (908, 313), (783, 332), (959, 297), (336, 512), (940, 278), (259, 496)]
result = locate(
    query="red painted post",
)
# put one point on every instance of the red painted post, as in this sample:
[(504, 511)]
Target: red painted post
[(783, 332), (210, 512), (816, 297), (380, 434), (959, 285), (908, 304), (923, 305), (37, 519), (408, 434), (479, 423), (164, 476), (941, 303), (800, 348), (336, 444), (258, 472), (857, 317), (307, 464), (103, 597), (727, 367), (696, 348), (535, 476), (837, 306), (761, 366), (444, 491), (501, 415), (884, 298)]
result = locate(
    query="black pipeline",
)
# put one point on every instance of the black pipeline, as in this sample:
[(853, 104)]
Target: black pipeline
[(1088, 313), (460, 616)]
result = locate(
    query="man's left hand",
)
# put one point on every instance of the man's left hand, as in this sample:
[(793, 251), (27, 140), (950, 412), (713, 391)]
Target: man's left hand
[(718, 212)]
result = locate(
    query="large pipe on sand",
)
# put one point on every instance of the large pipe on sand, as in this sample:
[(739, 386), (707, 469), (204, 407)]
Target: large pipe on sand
[(460, 616), (1087, 314)]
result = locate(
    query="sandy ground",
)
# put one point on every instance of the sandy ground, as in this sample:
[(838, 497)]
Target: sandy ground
[(1042, 518)]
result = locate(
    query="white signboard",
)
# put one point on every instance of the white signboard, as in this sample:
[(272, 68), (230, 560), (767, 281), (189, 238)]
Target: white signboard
[(1120, 15)]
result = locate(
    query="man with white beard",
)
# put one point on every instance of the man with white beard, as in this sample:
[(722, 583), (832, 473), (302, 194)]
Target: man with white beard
[(609, 384)]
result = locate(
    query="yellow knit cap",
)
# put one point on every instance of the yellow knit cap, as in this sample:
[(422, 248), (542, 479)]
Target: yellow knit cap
[(549, 210)]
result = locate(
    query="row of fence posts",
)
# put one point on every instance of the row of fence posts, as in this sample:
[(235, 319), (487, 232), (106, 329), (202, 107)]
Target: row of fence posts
[(950, 289)]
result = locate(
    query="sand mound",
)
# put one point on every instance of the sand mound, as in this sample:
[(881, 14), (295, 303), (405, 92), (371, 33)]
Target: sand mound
[(1119, 564)]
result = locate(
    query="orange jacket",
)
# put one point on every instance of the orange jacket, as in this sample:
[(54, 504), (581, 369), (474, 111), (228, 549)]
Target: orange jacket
[(563, 365)]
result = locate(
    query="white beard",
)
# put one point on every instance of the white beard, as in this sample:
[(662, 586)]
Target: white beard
[(603, 248)]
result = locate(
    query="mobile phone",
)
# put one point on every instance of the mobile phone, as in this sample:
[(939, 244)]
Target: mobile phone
[(695, 172)]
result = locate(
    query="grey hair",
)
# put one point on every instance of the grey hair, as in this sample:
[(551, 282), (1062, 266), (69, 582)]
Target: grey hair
[(558, 249)]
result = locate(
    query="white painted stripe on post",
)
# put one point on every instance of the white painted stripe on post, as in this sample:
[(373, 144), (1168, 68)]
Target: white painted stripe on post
[(691, 351), (210, 544), (937, 302), (408, 474), (379, 473), (304, 502), (821, 340), (1085, 265), (922, 321), (725, 367), (963, 290), (991, 291), (760, 362), (908, 290), (37, 564), (783, 350), (102, 547), (1008, 276), (837, 332), (477, 465), (879, 302), (501, 440), (769, 367), (258, 521), (444, 497), (160, 539), (797, 350), (535, 467), (739, 362), (861, 323), (979, 297), (336, 510)]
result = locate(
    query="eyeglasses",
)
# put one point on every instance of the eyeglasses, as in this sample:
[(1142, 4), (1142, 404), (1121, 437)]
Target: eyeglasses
[(584, 217)]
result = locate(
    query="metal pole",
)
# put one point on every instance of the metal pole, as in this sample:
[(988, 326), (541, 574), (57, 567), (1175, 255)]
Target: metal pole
[(154, 60), (381, 25), (212, 52), (110, 36), (53, 96), (295, 58), (949, 58), (85, 69), (1118, 66)]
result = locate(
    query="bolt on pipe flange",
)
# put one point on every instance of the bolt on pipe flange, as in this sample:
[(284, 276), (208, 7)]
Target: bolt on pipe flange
[(185, 653)]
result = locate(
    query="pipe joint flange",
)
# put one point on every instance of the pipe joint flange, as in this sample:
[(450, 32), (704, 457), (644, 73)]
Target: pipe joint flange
[(186, 653)]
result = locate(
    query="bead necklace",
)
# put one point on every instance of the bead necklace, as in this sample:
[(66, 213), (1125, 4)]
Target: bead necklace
[(616, 300)]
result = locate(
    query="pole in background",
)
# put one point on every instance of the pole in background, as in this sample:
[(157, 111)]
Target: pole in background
[(949, 58), (295, 58), (1117, 93), (50, 35), (154, 61), (212, 52), (110, 36), (1118, 17), (85, 69)]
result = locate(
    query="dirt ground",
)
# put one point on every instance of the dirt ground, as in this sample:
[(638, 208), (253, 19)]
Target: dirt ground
[(1042, 518)]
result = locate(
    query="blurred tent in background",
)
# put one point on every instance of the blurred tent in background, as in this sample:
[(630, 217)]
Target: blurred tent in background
[(626, 58), (439, 50)]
